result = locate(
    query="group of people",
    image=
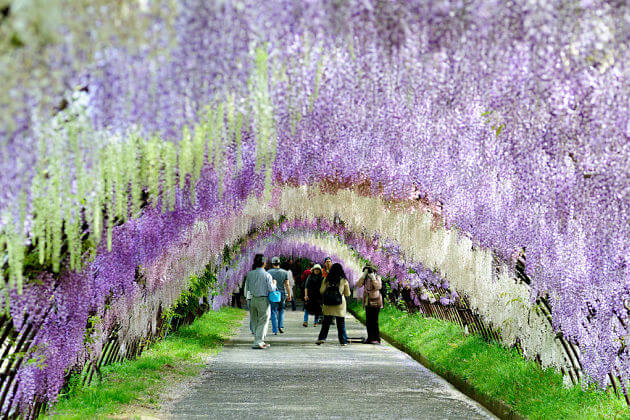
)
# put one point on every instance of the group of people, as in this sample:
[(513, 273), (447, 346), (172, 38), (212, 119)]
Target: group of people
[(325, 291)]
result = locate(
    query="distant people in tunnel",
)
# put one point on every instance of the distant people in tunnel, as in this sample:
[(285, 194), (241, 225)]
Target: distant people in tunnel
[(334, 290), (237, 295), (259, 284), (312, 295), (327, 264), (281, 277), (288, 266), (372, 302), (299, 279), (303, 279)]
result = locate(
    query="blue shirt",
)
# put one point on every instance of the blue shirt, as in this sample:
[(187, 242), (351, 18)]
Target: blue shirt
[(259, 282)]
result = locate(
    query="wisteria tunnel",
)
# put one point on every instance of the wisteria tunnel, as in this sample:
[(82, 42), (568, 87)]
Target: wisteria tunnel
[(476, 152)]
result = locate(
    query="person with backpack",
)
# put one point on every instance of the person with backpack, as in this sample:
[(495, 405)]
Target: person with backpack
[(312, 295), (372, 302), (334, 290)]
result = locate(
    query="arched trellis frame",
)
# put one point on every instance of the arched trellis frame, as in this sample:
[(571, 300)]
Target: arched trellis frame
[(505, 116), (277, 216)]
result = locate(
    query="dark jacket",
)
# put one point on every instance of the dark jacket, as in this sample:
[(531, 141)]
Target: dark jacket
[(314, 303)]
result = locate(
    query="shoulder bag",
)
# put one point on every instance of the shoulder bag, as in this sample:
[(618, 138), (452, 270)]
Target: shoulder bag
[(275, 296)]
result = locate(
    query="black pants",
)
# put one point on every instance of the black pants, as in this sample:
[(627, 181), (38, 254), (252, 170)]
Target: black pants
[(293, 301), (371, 323), (341, 328), (236, 300)]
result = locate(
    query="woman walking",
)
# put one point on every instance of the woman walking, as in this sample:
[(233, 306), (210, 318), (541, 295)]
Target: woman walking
[(372, 302), (334, 290), (312, 295)]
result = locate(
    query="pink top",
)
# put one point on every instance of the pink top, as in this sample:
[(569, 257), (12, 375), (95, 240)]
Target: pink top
[(371, 288)]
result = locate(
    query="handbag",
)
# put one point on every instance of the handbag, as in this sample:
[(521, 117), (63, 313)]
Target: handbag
[(275, 296), (373, 302)]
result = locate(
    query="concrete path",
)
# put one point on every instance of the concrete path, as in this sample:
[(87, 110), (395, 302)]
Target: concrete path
[(297, 379)]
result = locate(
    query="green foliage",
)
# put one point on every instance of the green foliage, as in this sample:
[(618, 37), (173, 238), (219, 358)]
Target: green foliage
[(93, 322), (188, 304), (169, 157), (120, 186), (185, 156), (495, 371), (234, 128), (200, 137), (264, 123), (139, 382), (153, 147), (133, 173), (13, 240)]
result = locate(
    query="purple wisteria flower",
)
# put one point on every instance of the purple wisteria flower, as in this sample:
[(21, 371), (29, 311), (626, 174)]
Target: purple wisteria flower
[(510, 122)]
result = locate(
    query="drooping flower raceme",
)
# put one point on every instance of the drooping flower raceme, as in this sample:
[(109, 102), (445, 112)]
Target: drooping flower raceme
[(509, 121)]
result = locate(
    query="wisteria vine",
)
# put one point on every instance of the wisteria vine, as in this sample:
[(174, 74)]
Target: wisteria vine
[(509, 121)]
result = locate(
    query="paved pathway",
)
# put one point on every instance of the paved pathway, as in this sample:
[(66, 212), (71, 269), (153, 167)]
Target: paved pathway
[(297, 379)]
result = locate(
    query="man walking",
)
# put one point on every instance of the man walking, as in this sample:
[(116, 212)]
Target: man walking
[(327, 264), (284, 287), (259, 284)]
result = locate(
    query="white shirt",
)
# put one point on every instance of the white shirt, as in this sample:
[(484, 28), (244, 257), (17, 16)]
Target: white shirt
[(291, 281)]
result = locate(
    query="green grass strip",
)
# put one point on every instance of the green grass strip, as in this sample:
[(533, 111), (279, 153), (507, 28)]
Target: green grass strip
[(494, 371), (134, 384)]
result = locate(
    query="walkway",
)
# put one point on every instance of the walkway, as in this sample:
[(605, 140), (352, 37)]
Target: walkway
[(296, 379)]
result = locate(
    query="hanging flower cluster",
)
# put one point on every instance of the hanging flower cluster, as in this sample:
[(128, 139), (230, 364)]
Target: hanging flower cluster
[(168, 116), (153, 257), (403, 238)]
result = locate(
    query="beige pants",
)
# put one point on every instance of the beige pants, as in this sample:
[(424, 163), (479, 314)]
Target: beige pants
[(260, 313)]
